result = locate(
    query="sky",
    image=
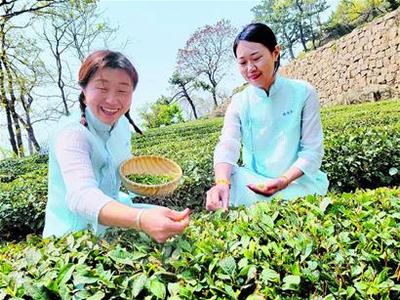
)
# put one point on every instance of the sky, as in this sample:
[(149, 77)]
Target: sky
[(155, 30)]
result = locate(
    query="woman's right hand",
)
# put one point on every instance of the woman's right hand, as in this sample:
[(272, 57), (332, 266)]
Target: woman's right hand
[(218, 197), (162, 223)]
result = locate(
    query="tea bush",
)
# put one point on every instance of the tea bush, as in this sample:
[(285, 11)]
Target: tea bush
[(366, 157), (22, 204), (333, 247), (361, 151), (12, 168)]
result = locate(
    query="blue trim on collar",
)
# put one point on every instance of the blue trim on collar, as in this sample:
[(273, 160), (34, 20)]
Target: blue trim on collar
[(273, 89), (95, 123)]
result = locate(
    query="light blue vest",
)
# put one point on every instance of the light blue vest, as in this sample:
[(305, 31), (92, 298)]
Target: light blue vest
[(109, 147), (271, 135)]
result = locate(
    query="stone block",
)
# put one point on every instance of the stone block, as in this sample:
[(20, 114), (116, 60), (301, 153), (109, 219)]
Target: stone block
[(381, 79), (390, 78), (376, 42), (368, 93)]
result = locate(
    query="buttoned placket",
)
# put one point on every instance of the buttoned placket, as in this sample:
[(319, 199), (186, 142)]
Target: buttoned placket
[(104, 132), (110, 163)]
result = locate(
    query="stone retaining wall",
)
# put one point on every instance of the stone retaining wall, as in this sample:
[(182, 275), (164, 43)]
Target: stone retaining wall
[(361, 66)]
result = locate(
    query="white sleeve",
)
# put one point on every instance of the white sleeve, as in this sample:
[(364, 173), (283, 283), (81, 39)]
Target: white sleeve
[(228, 147), (311, 142), (83, 195)]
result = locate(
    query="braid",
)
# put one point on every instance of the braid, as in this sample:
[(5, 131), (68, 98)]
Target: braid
[(82, 106), (132, 123)]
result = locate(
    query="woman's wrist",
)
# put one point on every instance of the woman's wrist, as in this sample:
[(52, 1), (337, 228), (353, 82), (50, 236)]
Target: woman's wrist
[(222, 181), (139, 216), (284, 180)]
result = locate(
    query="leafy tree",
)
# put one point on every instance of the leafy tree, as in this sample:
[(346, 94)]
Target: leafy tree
[(393, 4), (206, 55), (360, 11), (350, 14), (293, 21), (277, 17), (184, 86), (162, 113)]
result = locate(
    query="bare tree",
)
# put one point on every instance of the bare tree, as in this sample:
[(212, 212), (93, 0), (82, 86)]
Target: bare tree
[(6, 105), (206, 55), (70, 32), (10, 43), (21, 69), (26, 85), (12, 101), (14, 8)]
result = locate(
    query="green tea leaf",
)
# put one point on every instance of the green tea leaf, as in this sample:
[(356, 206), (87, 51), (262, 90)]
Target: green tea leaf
[(393, 171), (325, 203), (157, 288), (149, 179), (98, 296), (82, 279), (269, 275), (350, 291), (228, 264), (291, 282), (138, 284), (65, 274), (174, 288)]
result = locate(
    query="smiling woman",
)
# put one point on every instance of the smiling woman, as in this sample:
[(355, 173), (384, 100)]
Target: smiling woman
[(107, 80), (276, 122), (85, 154), (109, 94)]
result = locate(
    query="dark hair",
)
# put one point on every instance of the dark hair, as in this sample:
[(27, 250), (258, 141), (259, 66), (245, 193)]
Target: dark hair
[(258, 33), (99, 60)]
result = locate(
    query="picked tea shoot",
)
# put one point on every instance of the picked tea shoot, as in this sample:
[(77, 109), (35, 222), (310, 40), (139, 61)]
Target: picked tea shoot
[(149, 179)]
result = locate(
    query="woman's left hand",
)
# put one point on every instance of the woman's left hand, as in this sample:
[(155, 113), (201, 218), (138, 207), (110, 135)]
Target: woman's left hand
[(268, 188)]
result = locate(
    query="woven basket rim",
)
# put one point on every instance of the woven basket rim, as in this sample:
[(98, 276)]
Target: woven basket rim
[(176, 179)]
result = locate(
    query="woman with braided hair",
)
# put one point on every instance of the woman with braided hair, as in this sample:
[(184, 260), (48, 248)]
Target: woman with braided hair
[(86, 150)]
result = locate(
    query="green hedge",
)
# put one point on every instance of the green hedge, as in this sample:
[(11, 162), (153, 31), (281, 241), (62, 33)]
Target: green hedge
[(333, 247), (23, 203), (23, 196), (361, 151), (366, 157), (12, 168)]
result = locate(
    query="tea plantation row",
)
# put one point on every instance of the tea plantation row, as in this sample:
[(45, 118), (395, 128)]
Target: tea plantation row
[(361, 151), (335, 247)]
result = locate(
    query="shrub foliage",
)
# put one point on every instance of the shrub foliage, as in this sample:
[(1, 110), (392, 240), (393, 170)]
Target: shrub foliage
[(361, 151), (332, 247)]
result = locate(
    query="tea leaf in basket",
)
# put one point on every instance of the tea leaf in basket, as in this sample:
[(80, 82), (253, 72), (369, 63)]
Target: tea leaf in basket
[(149, 179)]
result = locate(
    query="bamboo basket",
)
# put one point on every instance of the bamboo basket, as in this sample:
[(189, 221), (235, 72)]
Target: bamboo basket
[(152, 165)]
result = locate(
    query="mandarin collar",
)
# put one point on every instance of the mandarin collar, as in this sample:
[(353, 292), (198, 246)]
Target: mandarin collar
[(272, 90), (96, 124)]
